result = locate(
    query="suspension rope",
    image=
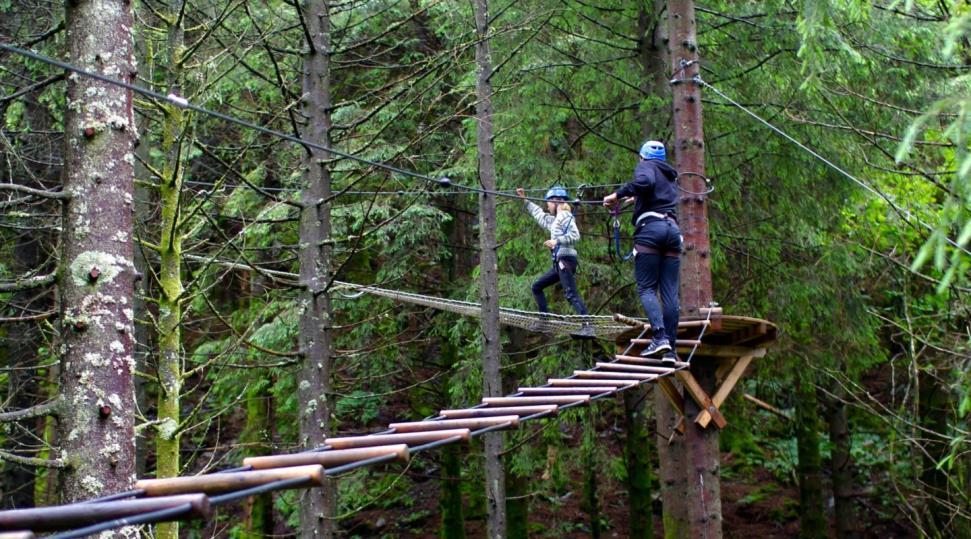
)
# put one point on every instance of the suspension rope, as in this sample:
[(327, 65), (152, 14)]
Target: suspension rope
[(184, 103), (600, 325), (905, 213)]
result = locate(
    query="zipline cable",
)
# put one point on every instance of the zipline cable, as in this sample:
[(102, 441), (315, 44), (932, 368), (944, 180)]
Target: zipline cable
[(183, 103), (905, 213)]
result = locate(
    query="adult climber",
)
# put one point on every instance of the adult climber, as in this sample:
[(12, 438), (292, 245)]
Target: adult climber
[(564, 235), (657, 244)]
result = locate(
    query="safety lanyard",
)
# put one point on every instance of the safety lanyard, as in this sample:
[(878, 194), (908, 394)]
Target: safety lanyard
[(615, 211)]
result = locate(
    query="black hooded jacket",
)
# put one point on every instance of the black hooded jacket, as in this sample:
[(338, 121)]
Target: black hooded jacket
[(654, 187)]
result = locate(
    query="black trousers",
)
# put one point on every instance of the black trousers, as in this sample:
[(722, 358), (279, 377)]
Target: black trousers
[(659, 272), (561, 273)]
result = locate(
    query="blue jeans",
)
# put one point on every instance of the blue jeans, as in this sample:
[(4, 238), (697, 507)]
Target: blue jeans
[(561, 273), (659, 272)]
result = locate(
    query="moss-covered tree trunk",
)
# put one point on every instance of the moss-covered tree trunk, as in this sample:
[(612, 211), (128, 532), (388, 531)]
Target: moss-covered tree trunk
[(175, 145), (812, 520), (96, 278), (841, 468), (318, 506)]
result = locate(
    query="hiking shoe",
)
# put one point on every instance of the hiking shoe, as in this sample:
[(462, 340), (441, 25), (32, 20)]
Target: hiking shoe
[(656, 348), (669, 358), (586, 331), (539, 325)]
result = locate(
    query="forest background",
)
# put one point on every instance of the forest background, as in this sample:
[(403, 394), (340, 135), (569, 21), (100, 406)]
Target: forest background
[(865, 273)]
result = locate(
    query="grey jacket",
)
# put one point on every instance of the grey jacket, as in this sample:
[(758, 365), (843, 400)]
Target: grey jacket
[(562, 228)]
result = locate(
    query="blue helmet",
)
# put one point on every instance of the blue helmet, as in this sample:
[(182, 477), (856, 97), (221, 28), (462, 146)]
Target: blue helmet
[(556, 192), (653, 149)]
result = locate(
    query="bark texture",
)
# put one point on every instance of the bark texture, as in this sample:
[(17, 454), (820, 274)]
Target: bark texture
[(318, 507), (489, 271), (96, 279)]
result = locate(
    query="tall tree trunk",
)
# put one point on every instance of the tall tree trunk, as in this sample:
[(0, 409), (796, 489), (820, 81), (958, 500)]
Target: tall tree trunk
[(841, 468), (450, 497), (174, 147), (933, 412), (671, 456), (257, 435), (811, 517), (703, 495), (318, 508), (517, 484), (489, 271), (591, 502), (96, 280), (652, 31), (637, 453)]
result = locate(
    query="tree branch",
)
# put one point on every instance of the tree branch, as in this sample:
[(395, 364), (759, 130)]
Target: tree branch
[(59, 195), (30, 461), (51, 407), (36, 281)]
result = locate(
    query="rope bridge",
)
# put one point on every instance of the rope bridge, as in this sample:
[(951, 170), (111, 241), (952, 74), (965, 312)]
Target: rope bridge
[(181, 498), (563, 324)]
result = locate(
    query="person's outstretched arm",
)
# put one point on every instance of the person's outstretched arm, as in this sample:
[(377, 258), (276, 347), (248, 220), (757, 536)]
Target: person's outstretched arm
[(544, 219)]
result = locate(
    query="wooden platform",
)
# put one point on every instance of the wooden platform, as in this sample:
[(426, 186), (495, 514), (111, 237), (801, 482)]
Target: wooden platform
[(726, 337), (728, 344)]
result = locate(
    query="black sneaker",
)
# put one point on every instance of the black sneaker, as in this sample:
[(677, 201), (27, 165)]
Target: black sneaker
[(539, 325), (656, 348), (670, 358), (586, 331)]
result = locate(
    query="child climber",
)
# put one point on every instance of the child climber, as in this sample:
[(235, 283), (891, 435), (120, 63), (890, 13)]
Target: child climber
[(564, 234)]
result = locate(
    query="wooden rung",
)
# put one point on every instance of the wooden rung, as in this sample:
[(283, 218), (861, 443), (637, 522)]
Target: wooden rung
[(636, 360), (681, 342), (473, 423), (525, 401), (633, 368), (410, 438), (563, 390), (575, 382), (633, 322), (604, 375), (222, 482), (507, 410), (327, 458), (40, 519)]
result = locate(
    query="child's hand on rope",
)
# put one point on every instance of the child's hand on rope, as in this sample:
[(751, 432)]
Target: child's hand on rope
[(610, 200), (550, 244), (521, 192)]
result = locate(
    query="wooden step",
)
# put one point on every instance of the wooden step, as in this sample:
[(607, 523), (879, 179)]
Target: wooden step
[(499, 411), (312, 475), (633, 368), (574, 382), (326, 458), (563, 390), (410, 438), (637, 360), (473, 423), (526, 401), (616, 376)]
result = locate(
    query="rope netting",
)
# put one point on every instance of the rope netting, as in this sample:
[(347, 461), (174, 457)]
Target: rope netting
[(562, 324)]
